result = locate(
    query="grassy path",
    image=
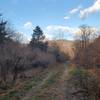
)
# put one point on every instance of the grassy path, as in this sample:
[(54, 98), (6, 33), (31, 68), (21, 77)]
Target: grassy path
[(30, 93), (52, 87)]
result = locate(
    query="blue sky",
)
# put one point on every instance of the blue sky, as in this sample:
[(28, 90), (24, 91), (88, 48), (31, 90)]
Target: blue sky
[(56, 16)]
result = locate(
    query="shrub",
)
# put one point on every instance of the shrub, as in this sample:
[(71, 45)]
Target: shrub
[(83, 85)]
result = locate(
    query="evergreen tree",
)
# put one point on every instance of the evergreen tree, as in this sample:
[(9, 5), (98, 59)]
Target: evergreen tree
[(37, 40), (37, 35), (5, 33)]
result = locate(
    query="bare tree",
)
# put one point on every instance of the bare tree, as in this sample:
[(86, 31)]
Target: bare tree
[(83, 40)]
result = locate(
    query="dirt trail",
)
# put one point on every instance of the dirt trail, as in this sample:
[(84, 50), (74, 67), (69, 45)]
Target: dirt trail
[(30, 93), (65, 73), (60, 86)]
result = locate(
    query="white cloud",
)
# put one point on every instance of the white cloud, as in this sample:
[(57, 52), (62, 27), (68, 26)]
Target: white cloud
[(61, 28), (28, 25), (92, 9), (75, 10), (26, 30), (55, 30), (66, 17), (68, 32)]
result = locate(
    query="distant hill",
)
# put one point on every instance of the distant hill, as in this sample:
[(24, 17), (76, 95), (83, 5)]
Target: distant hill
[(65, 46)]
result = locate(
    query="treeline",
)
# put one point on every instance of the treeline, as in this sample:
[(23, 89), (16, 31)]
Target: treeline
[(87, 48), (16, 57)]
